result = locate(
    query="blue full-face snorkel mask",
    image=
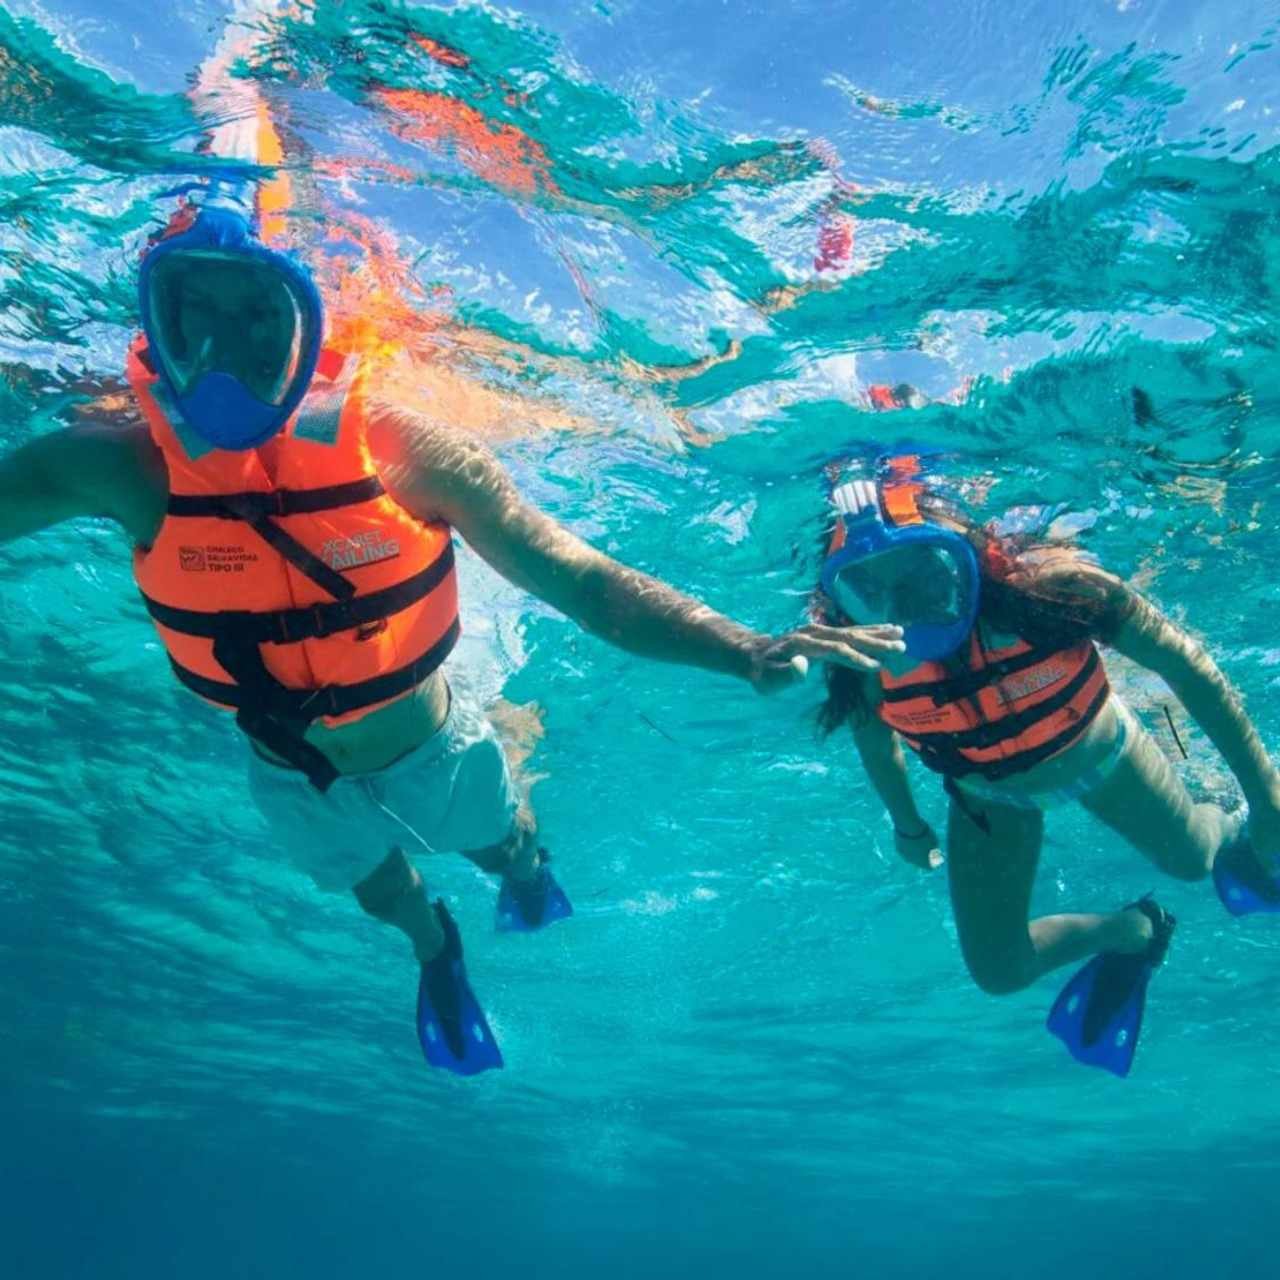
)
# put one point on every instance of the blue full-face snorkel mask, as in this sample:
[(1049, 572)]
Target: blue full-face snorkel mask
[(233, 328), (887, 564)]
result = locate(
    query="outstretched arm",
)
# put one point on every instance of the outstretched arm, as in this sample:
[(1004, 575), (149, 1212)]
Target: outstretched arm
[(42, 482), (80, 471), (1145, 635), (437, 474)]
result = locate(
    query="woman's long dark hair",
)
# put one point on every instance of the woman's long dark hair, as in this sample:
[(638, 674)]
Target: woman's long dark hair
[(1028, 590)]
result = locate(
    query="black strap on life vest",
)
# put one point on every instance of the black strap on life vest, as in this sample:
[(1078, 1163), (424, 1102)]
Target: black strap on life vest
[(991, 733), (302, 558), (305, 705), (277, 502), (309, 622), (261, 716), (965, 804), (946, 758), (278, 716), (267, 709), (967, 684)]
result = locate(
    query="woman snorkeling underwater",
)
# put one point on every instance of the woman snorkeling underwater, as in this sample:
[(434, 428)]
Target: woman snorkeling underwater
[(1002, 691)]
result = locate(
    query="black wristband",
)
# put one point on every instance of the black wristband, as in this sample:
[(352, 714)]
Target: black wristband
[(924, 831)]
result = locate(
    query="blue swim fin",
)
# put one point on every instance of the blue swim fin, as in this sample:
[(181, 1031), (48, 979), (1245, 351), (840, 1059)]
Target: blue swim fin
[(1242, 884), (452, 1028), (1098, 1014), (526, 905)]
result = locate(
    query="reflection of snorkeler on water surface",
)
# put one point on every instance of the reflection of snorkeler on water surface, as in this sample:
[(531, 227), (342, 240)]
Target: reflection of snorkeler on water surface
[(503, 155), (509, 158), (1002, 692)]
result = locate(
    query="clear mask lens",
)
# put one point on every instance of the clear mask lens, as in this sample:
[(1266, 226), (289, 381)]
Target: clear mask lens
[(217, 312), (911, 586)]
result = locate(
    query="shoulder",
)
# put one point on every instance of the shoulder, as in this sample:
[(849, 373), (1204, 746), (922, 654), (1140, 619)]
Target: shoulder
[(853, 698), (1077, 585), (400, 434), (872, 687), (1071, 571), (78, 455), (123, 447), (117, 468), (432, 469)]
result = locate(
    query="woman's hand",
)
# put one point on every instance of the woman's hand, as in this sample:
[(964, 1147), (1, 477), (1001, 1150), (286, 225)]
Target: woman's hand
[(920, 848), (784, 660)]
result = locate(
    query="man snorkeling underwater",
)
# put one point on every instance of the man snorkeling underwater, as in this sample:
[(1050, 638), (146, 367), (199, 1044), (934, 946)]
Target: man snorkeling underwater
[(1002, 691), (293, 546)]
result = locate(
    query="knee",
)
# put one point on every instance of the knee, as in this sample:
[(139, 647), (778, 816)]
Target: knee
[(1192, 859), (1003, 975), (1000, 984), (1190, 870), (383, 891), (1209, 829)]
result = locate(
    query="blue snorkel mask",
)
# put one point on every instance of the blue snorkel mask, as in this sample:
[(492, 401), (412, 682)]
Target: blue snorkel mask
[(233, 328), (886, 563)]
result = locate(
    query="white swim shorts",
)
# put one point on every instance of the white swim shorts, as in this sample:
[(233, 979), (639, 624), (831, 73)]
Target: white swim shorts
[(452, 793)]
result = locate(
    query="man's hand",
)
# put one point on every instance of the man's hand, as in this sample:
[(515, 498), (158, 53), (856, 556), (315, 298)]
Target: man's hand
[(920, 848), (777, 663)]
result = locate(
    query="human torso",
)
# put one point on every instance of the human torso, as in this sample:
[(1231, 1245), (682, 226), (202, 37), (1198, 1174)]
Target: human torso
[(385, 734), (353, 745), (1031, 719)]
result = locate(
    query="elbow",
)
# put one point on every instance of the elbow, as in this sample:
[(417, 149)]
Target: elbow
[(1180, 665), (1188, 672)]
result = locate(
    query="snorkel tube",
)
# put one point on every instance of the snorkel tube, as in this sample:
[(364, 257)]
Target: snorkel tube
[(235, 217)]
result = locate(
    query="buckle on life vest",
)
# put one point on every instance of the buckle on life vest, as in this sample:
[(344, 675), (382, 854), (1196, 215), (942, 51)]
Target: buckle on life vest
[(988, 734), (320, 626), (310, 624)]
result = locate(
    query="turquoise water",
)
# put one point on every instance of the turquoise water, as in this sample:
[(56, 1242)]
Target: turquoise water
[(754, 1048)]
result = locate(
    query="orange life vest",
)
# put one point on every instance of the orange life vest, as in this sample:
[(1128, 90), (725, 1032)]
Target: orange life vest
[(1004, 710), (285, 583)]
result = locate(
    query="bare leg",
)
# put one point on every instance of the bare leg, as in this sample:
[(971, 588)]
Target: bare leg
[(394, 893), (1145, 801), (991, 873)]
